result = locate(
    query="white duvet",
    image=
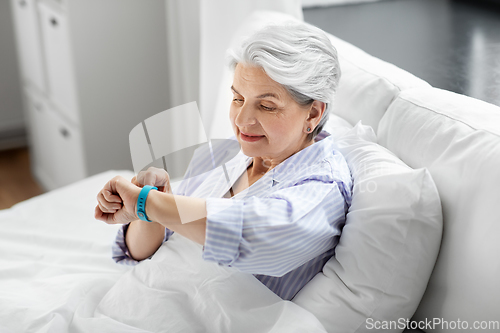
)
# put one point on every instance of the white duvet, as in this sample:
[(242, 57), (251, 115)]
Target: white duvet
[(56, 275)]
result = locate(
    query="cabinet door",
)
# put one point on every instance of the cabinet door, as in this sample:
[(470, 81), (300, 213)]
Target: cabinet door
[(56, 145), (28, 42), (66, 150), (58, 61), (38, 122)]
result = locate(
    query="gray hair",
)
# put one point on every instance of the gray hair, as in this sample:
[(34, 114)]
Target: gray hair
[(298, 56)]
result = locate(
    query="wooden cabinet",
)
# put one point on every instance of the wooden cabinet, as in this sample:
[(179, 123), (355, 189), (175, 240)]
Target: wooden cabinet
[(91, 71)]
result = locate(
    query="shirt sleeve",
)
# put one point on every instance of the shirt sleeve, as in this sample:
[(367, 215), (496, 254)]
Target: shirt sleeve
[(195, 175), (120, 252), (275, 234)]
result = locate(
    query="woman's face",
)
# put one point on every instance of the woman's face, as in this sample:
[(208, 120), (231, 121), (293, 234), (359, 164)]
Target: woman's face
[(266, 120)]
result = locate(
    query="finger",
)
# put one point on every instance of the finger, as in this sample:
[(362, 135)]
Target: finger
[(103, 202), (104, 217), (136, 182), (97, 213), (150, 179), (106, 206), (165, 189), (112, 184), (140, 178), (106, 210), (110, 197), (163, 181), (100, 215), (168, 188)]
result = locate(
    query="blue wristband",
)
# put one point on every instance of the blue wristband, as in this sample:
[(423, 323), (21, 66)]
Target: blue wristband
[(141, 202)]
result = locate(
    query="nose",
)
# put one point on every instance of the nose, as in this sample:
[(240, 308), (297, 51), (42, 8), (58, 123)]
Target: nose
[(245, 116)]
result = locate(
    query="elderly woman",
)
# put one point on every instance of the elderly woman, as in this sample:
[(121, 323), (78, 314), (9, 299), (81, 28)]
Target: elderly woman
[(282, 217)]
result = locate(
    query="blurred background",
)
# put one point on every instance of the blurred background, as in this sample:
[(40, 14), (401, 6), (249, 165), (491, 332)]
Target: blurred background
[(77, 75)]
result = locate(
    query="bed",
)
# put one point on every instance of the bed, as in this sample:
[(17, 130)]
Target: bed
[(57, 275), (405, 142)]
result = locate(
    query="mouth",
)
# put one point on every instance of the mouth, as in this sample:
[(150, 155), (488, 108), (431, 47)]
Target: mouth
[(250, 137)]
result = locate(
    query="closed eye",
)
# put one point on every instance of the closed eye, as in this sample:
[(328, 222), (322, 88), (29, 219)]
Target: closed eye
[(267, 108)]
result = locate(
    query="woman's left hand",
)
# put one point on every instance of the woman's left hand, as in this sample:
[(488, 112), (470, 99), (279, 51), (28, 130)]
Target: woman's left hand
[(117, 202)]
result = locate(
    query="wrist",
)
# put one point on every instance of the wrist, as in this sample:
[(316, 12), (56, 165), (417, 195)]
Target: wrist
[(156, 201), (141, 202), (161, 207)]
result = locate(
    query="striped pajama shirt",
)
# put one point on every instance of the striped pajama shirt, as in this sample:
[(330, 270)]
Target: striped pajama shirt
[(283, 228)]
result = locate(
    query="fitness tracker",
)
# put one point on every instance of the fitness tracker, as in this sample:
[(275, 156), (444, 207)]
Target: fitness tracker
[(141, 202)]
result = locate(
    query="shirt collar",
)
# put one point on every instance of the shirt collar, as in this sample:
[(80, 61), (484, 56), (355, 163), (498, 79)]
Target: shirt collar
[(304, 159)]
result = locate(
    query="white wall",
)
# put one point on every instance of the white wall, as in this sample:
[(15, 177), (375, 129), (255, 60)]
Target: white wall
[(183, 47)]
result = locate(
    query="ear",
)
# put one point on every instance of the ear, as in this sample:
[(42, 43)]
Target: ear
[(315, 114)]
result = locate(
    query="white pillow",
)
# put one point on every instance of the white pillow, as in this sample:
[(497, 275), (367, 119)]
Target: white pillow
[(368, 85), (458, 139), (388, 246), (337, 126)]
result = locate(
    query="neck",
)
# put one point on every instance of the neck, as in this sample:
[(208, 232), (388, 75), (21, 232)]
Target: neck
[(261, 165)]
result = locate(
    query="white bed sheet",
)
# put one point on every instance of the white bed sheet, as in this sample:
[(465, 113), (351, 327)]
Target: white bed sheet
[(57, 275)]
